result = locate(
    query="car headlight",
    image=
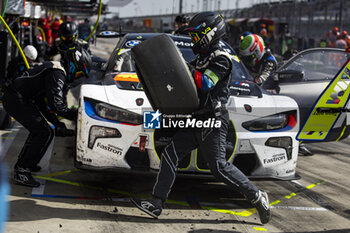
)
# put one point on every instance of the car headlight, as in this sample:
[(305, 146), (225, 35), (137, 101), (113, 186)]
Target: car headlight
[(111, 112), (272, 122), (117, 114), (102, 132)]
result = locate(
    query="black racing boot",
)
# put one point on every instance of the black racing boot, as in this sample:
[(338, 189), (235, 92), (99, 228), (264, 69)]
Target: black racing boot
[(36, 168), (24, 176), (152, 207), (262, 205)]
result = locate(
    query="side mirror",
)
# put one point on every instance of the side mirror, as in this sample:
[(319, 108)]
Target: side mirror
[(289, 76)]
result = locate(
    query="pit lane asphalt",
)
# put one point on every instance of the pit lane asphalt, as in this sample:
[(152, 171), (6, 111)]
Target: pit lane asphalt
[(72, 200)]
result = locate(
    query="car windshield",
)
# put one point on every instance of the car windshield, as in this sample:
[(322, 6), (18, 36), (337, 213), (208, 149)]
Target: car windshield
[(318, 64), (124, 62)]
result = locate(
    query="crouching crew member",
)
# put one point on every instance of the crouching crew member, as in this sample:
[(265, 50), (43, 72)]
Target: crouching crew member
[(24, 99)]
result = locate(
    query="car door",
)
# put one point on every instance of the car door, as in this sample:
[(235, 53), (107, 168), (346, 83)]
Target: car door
[(305, 77)]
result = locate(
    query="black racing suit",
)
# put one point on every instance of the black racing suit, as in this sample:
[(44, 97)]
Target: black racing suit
[(65, 50), (211, 73), (264, 68), (24, 100)]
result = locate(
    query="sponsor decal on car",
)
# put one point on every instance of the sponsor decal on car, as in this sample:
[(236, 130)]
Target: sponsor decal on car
[(290, 171), (275, 158), (82, 158), (183, 44), (110, 148)]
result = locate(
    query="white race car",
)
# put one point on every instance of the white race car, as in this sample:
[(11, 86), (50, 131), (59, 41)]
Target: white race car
[(110, 132)]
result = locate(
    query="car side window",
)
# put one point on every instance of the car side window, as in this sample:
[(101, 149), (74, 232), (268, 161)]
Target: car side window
[(317, 65), (124, 63)]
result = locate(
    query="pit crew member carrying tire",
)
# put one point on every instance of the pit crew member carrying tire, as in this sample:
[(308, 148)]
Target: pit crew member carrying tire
[(24, 99), (259, 60), (211, 71)]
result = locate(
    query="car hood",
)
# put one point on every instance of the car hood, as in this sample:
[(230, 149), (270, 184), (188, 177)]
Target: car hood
[(127, 93)]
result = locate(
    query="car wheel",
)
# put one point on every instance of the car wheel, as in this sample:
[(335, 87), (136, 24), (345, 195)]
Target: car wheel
[(165, 76)]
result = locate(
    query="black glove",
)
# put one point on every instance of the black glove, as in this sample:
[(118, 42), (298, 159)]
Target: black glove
[(191, 68), (60, 129)]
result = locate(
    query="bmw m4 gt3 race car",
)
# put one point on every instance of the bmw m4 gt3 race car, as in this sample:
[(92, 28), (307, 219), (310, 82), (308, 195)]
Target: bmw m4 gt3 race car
[(111, 133)]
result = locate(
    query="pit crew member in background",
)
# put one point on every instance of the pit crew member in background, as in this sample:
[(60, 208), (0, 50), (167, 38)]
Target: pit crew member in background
[(261, 64), (55, 25), (16, 66), (259, 60), (181, 24), (68, 33), (341, 42), (211, 71), (21, 99), (84, 29), (332, 36)]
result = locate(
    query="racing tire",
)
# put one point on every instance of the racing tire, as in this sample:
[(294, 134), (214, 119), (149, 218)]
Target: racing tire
[(165, 77)]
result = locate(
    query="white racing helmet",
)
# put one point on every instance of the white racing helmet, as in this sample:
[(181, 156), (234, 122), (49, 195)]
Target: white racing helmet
[(30, 52), (252, 49)]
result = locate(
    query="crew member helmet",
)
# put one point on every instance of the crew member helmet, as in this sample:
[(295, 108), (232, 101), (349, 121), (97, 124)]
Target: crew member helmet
[(206, 29), (68, 31), (30, 52), (181, 19), (244, 34), (344, 34), (252, 49)]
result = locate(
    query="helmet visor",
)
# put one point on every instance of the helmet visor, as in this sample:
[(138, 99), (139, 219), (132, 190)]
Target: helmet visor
[(69, 38)]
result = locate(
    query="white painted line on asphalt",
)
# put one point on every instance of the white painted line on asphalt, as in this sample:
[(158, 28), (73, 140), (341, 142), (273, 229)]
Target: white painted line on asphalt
[(5, 143), (39, 190), (300, 208), (45, 161), (45, 168)]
